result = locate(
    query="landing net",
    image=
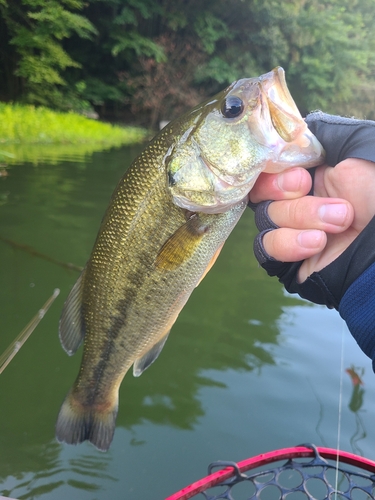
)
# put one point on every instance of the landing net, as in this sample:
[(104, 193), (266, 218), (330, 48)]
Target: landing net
[(309, 473)]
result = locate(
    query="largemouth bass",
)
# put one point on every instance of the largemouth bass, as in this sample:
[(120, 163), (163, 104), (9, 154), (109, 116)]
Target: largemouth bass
[(165, 225)]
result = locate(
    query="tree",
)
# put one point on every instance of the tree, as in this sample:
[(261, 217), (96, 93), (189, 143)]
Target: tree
[(33, 55), (333, 46), (156, 58)]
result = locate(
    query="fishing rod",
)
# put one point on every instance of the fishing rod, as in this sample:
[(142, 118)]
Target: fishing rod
[(18, 342)]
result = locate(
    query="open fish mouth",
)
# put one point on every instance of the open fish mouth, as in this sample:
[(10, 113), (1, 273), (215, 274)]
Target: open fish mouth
[(279, 125), (277, 108), (252, 126)]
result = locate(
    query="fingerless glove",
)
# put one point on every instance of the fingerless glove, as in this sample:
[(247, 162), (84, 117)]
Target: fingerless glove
[(348, 283)]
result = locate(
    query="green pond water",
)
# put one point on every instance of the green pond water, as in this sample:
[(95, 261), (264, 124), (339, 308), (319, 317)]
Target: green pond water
[(247, 368)]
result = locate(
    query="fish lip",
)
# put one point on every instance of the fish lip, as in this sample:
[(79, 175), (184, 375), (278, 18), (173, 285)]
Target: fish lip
[(290, 146), (281, 80), (275, 81)]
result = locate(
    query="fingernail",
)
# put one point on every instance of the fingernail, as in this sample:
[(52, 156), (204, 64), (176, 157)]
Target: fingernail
[(290, 180), (310, 238), (334, 213)]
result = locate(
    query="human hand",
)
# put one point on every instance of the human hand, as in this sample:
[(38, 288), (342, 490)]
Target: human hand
[(316, 229), (312, 243)]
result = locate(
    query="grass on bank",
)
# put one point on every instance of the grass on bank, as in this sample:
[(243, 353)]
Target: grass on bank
[(20, 124), (51, 154)]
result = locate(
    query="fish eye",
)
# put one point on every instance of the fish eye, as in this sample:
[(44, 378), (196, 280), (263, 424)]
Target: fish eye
[(232, 107)]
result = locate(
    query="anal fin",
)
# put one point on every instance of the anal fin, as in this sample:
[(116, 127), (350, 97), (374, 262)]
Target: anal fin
[(71, 326), (147, 359)]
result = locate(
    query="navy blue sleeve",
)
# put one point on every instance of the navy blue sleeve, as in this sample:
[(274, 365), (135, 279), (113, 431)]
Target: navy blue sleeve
[(357, 308)]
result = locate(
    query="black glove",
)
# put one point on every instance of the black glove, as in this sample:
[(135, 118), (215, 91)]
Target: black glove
[(342, 138)]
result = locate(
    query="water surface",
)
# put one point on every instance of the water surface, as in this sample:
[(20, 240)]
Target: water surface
[(247, 368)]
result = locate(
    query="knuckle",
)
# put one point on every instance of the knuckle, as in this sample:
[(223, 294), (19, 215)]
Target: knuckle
[(298, 212)]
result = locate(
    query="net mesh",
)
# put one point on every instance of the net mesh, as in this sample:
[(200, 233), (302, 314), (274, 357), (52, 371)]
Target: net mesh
[(295, 479)]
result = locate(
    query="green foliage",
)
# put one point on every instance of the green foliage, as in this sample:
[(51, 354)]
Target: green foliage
[(141, 46), (335, 54), (28, 124), (167, 89), (156, 58), (96, 91), (52, 154), (210, 29), (36, 29)]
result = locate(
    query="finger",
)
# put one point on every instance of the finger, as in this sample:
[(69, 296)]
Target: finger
[(332, 215), (292, 245), (336, 245), (292, 183), (354, 180)]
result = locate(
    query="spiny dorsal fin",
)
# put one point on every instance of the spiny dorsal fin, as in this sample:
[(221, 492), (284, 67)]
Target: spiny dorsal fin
[(147, 359), (71, 326), (182, 244)]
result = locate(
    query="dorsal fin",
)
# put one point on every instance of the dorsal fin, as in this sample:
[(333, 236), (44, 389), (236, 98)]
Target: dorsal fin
[(71, 326), (147, 359)]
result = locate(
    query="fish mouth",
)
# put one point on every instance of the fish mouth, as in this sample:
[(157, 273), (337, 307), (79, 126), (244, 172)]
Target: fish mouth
[(271, 106), (277, 110), (279, 126), (212, 174), (278, 93)]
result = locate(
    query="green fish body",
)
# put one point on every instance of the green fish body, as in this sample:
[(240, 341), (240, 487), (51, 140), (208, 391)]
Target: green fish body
[(165, 225)]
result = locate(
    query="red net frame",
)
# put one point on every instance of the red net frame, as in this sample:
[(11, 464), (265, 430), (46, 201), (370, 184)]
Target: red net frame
[(320, 455)]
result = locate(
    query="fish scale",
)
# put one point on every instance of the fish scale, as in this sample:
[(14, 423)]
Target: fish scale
[(160, 235)]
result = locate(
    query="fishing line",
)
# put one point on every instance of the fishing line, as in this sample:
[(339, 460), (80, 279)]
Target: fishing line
[(340, 407)]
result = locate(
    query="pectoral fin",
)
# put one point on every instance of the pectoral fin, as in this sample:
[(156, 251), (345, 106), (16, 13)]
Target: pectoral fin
[(182, 244), (147, 359), (71, 326)]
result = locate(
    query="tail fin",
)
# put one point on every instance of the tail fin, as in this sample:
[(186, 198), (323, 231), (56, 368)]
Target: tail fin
[(77, 423)]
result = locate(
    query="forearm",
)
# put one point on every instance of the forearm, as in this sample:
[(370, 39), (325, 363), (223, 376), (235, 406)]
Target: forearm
[(357, 308)]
